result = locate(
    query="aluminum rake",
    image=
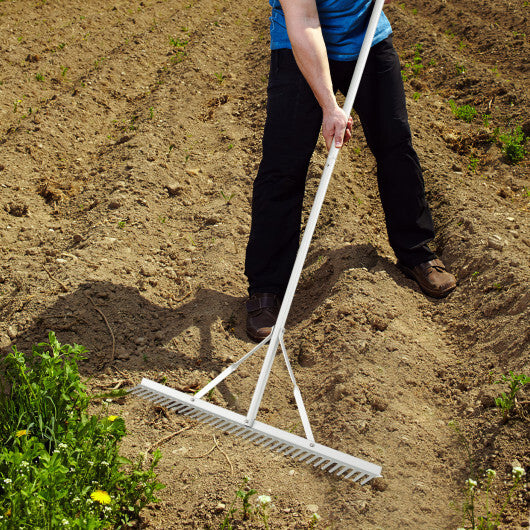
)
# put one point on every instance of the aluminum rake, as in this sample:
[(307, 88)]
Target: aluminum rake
[(302, 449)]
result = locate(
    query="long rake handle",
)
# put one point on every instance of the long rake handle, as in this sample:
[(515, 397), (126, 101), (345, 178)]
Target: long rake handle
[(312, 220)]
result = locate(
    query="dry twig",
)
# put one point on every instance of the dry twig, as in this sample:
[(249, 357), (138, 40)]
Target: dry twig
[(108, 326), (63, 286), (168, 437), (225, 455)]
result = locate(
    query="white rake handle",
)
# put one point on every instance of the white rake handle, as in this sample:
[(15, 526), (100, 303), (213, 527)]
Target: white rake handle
[(312, 220)]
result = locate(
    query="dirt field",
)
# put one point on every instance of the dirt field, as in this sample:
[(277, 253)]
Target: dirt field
[(130, 134)]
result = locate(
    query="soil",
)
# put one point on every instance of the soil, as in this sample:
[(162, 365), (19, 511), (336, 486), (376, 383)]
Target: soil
[(130, 134)]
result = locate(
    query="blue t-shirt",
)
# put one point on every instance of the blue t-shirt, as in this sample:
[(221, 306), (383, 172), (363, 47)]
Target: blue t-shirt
[(343, 24)]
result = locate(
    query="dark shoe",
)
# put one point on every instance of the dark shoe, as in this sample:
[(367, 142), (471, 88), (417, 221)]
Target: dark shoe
[(262, 312), (432, 277)]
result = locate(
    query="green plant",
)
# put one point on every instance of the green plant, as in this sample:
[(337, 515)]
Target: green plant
[(416, 96), (121, 224), (151, 113), (244, 493), (60, 466), (417, 65), (508, 401), (64, 69), (466, 113), (480, 493), (39, 77), (16, 104), (220, 77), (460, 69), (227, 197), (473, 163), (513, 145)]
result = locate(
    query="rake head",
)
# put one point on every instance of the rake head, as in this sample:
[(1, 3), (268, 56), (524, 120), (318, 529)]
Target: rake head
[(301, 449)]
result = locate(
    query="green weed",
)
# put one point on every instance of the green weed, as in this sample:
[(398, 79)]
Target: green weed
[(460, 69), (508, 401), (227, 197), (466, 113), (473, 163), (58, 465), (513, 145), (244, 493), (220, 77), (39, 77)]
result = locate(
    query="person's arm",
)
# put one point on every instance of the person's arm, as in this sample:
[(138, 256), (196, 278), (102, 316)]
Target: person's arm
[(305, 35)]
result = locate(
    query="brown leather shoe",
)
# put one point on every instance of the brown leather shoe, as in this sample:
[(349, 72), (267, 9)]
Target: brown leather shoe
[(262, 312), (432, 277)]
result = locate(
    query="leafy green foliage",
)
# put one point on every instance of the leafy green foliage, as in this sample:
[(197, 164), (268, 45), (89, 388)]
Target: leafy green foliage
[(466, 113), (507, 401), (58, 465), (513, 145)]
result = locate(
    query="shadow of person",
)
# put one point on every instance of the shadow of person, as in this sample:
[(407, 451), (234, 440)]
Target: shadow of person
[(118, 324)]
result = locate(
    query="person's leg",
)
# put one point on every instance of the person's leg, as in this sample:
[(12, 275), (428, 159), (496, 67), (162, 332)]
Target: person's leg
[(380, 105), (291, 130)]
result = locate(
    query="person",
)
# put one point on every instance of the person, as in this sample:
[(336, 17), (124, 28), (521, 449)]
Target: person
[(314, 46)]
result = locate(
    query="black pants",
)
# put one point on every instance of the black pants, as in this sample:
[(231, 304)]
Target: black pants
[(293, 123)]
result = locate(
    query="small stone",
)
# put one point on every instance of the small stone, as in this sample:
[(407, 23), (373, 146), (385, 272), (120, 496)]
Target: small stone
[(122, 353), (139, 341), (17, 209), (174, 189), (312, 508), (495, 242), (11, 332), (379, 404), (220, 507), (379, 484), (361, 506)]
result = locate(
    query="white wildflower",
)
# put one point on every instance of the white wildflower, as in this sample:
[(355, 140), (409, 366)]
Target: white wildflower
[(264, 500), (63, 446), (518, 472), (471, 483), (7, 481)]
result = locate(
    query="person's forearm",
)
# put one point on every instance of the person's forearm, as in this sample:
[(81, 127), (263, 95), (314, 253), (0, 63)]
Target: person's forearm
[(309, 49), (310, 54)]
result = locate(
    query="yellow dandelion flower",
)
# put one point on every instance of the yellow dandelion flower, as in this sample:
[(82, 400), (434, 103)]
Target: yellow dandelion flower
[(23, 432), (100, 496), (8, 513), (112, 418)]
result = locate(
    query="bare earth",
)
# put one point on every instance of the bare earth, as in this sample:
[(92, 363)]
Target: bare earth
[(129, 138)]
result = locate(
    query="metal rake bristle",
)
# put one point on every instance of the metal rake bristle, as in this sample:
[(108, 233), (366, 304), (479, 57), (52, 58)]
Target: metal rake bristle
[(282, 442)]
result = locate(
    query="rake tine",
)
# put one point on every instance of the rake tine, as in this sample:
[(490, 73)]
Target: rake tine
[(334, 468), (320, 460), (297, 453), (269, 442), (326, 465), (351, 473), (343, 470)]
